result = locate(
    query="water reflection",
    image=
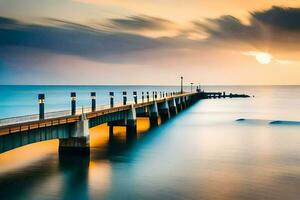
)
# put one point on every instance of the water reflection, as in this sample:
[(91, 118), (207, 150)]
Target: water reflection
[(75, 174), (200, 154), (43, 174)]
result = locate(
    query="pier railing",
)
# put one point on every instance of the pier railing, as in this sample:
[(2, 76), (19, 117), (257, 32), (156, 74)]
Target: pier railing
[(65, 113)]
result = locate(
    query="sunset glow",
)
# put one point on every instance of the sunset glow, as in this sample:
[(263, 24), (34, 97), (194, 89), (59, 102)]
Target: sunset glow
[(195, 39), (263, 58)]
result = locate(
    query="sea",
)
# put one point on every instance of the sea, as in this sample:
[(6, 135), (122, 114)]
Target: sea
[(217, 149)]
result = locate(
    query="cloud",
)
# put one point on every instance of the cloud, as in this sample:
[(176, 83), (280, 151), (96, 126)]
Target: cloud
[(72, 39), (286, 62), (275, 28), (279, 18), (142, 22)]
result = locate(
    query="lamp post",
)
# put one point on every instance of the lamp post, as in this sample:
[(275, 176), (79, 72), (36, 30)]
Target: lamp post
[(124, 98), (181, 84), (111, 94), (93, 97), (73, 103), (135, 97), (147, 96), (41, 98), (192, 87)]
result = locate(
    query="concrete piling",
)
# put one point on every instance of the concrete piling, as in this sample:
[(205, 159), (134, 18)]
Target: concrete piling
[(153, 114), (164, 111), (178, 104), (79, 139), (172, 106), (131, 125)]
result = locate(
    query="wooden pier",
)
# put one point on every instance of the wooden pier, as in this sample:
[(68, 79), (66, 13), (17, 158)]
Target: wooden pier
[(72, 127)]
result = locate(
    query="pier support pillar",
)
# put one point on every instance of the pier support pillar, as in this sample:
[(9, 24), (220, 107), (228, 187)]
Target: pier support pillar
[(189, 100), (183, 103), (153, 114), (79, 140), (172, 106), (178, 104), (131, 125), (111, 131), (164, 111)]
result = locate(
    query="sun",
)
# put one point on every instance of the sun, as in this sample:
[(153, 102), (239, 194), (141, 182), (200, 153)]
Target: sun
[(263, 57)]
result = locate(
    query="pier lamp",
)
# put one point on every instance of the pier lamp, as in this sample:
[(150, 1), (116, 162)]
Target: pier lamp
[(143, 97), (160, 94), (192, 87), (93, 97), (181, 84), (124, 98), (135, 97), (111, 95), (163, 94), (147, 96), (41, 98), (199, 87), (73, 103), (155, 95)]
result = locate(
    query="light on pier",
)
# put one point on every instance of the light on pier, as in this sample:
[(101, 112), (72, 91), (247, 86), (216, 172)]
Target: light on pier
[(73, 103), (135, 97), (124, 97), (192, 87), (41, 98), (93, 97), (181, 84), (111, 95), (147, 96)]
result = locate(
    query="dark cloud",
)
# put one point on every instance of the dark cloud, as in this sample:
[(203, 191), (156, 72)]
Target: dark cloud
[(277, 17), (226, 27), (71, 38), (139, 23), (278, 27)]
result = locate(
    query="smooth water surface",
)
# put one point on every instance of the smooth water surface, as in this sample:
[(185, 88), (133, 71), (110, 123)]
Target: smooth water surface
[(202, 153)]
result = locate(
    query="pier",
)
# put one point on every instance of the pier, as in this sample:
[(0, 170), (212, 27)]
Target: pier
[(72, 127)]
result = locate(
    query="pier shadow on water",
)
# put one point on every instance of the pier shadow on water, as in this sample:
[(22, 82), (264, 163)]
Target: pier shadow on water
[(69, 177)]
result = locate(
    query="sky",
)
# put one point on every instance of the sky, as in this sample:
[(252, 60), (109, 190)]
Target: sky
[(150, 42)]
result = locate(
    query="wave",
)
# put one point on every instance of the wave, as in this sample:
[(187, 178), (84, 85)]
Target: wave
[(271, 122), (282, 122)]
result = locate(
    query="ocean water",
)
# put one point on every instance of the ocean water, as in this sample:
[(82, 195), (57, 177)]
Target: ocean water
[(204, 152)]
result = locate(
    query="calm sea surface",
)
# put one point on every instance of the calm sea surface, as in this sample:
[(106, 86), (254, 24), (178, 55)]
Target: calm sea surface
[(202, 153)]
